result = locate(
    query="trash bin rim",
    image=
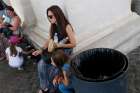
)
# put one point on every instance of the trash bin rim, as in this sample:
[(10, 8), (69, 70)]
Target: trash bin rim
[(124, 69)]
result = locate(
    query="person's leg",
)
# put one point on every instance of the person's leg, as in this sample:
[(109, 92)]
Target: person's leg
[(46, 73), (43, 75)]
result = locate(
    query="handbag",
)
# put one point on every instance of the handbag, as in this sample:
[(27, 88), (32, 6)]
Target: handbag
[(51, 46)]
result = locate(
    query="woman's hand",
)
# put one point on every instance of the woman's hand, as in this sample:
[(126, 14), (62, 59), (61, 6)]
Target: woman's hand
[(59, 45), (37, 52)]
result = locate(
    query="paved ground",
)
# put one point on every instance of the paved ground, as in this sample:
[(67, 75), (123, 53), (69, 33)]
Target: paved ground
[(134, 71), (13, 81)]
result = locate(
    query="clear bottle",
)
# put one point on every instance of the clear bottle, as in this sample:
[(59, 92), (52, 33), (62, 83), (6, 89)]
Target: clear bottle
[(6, 19), (63, 41), (55, 38)]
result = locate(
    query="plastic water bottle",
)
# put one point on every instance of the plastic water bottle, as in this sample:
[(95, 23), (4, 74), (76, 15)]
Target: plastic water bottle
[(6, 19), (63, 41), (55, 38)]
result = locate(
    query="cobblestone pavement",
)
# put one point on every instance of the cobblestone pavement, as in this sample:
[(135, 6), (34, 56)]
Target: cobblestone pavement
[(134, 71), (14, 81)]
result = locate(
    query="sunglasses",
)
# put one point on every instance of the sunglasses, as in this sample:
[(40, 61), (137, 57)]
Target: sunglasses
[(50, 16)]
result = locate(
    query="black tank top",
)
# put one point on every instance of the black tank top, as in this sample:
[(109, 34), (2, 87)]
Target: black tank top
[(58, 31)]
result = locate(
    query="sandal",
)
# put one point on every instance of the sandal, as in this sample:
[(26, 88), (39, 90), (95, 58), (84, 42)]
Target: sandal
[(42, 91)]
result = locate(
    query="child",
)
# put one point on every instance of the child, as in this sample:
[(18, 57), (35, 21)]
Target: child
[(60, 60), (14, 53)]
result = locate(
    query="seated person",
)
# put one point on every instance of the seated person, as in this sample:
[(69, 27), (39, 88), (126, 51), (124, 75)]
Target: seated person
[(11, 22), (3, 5), (14, 53), (6, 20)]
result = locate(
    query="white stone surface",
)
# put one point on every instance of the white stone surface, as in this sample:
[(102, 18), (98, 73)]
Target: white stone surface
[(89, 16), (124, 37)]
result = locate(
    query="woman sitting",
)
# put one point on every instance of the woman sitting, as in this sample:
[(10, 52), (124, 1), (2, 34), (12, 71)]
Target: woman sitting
[(10, 26)]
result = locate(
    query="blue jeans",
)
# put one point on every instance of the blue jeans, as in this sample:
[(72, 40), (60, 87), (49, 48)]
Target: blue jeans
[(42, 74), (46, 73)]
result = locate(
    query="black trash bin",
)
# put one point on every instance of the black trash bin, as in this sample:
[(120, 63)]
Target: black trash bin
[(100, 70)]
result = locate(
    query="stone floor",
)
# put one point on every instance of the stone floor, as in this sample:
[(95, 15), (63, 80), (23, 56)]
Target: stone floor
[(14, 81), (134, 71)]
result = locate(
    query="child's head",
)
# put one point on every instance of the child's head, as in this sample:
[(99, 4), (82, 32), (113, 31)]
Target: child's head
[(13, 40), (59, 58)]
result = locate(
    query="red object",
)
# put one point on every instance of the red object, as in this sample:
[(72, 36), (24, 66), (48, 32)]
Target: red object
[(14, 39)]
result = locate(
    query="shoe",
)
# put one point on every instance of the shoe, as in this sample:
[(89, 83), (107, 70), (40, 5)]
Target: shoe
[(40, 91), (20, 68)]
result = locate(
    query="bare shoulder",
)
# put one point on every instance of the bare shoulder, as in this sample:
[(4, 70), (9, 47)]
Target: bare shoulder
[(16, 18), (69, 28)]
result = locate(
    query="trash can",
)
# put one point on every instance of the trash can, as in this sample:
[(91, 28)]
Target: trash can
[(135, 6), (100, 70)]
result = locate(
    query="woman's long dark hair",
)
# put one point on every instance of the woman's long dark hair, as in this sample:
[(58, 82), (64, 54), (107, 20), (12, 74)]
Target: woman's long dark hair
[(13, 51), (60, 18)]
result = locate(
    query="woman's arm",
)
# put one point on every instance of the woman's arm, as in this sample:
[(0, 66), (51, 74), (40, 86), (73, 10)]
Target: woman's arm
[(37, 52), (71, 36), (15, 23)]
